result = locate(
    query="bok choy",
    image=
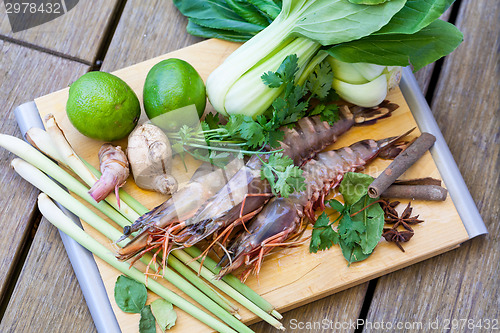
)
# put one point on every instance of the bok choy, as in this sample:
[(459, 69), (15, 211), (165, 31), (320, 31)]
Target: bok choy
[(322, 22), (385, 33)]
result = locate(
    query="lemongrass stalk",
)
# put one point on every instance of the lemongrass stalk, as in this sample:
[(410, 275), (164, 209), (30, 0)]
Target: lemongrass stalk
[(41, 140), (75, 163), (42, 162), (45, 184), (55, 216), (223, 286), (192, 277), (234, 282)]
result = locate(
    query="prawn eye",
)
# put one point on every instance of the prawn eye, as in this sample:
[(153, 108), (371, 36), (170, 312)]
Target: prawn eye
[(126, 230)]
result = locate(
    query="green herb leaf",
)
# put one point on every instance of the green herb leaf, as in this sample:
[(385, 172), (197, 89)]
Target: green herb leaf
[(147, 322), (212, 120), (350, 230), (373, 220), (354, 186), (323, 236), (283, 175), (352, 252), (419, 49), (337, 205), (130, 295), (267, 6), (164, 313), (248, 12), (205, 32), (361, 221), (319, 82)]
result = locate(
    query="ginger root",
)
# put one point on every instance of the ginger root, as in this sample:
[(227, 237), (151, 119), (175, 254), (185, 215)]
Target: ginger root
[(150, 157)]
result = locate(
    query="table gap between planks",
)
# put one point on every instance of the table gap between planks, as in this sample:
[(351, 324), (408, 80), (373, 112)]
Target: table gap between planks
[(47, 294)]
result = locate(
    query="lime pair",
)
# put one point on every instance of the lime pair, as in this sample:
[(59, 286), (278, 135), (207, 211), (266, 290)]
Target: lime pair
[(103, 107)]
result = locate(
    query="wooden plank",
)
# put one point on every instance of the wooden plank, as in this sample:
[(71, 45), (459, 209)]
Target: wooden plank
[(47, 297), (25, 74), (292, 277), (162, 29), (79, 33), (463, 284)]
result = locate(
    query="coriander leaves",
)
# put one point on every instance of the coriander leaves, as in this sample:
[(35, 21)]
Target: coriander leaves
[(360, 222), (283, 175)]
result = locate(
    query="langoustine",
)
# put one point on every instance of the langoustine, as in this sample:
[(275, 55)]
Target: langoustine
[(281, 218), (204, 183), (245, 193)]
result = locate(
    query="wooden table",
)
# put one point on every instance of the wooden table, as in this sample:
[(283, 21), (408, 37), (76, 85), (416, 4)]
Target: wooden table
[(38, 289)]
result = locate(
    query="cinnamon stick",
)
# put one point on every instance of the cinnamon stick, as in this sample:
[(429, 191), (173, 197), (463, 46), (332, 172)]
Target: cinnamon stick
[(400, 164), (419, 192), (419, 181)]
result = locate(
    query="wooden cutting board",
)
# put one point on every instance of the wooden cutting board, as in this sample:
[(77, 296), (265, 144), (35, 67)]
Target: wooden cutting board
[(292, 277)]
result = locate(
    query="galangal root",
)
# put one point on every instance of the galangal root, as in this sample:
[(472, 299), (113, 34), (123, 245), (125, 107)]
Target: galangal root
[(115, 170)]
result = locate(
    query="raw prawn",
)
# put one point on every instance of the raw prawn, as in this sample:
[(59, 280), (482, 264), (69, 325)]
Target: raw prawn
[(245, 193), (281, 219), (204, 183)]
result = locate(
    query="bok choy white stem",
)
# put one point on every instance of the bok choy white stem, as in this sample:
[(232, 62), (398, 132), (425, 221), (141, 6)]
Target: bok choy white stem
[(301, 28)]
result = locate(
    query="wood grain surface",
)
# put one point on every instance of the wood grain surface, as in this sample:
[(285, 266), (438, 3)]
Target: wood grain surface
[(146, 30), (78, 33), (22, 71), (462, 284)]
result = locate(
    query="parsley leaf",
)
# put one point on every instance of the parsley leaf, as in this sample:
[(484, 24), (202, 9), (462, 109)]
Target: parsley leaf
[(323, 236), (359, 223), (283, 175), (319, 82)]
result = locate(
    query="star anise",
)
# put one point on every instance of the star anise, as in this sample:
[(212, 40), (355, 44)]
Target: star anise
[(396, 236), (389, 207), (405, 220)]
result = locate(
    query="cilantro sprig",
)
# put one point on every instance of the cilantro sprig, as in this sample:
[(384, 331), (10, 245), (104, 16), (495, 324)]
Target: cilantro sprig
[(283, 175), (360, 221), (216, 142)]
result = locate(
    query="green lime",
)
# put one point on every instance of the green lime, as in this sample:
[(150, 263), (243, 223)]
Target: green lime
[(102, 106), (173, 84)]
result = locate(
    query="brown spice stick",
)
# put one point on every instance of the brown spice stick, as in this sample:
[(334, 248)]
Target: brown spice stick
[(400, 164), (419, 181), (419, 192)]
